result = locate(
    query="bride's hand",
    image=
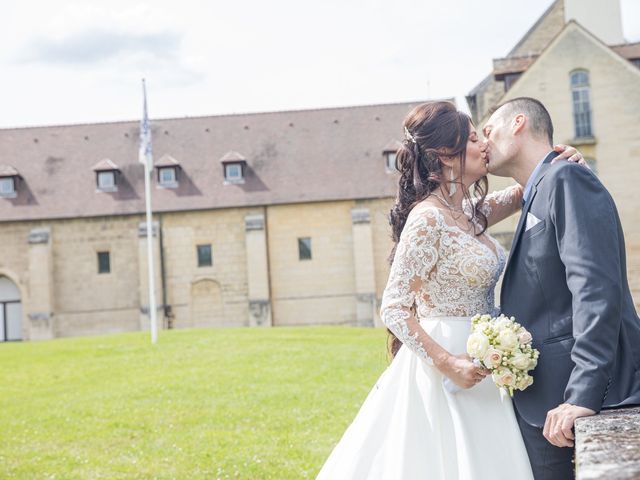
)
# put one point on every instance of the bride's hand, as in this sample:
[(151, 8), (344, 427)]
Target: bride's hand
[(462, 371), (567, 152)]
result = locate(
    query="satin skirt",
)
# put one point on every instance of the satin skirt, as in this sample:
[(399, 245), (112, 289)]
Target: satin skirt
[(411, 427)]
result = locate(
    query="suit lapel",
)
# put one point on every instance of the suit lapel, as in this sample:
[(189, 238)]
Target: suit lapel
[(525, 209)]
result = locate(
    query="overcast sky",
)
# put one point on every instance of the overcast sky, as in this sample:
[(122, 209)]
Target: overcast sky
[(82, 61)]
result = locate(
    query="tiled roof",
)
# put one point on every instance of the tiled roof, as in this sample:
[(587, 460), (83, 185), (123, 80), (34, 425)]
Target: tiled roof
[(292, 156), (392, 146), (104, 165), (166, 161), (627, 50), (503, 66), (232, 156), (8, 171)]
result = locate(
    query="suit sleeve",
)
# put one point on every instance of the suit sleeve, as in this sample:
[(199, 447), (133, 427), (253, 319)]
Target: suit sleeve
[(589, 243)]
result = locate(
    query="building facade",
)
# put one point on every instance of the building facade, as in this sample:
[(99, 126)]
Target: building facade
[(261, 219), (576, 62), (275, 218)]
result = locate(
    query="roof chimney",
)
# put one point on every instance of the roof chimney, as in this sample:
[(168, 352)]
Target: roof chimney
[(600, 17)]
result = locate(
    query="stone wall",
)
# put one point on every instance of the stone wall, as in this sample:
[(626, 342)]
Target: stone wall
[(256, 277), (608, 445)]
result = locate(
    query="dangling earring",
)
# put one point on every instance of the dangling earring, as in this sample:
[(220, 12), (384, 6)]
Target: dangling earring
[(452, 185)]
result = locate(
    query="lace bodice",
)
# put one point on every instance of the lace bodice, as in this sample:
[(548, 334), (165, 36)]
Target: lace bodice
[(440, 270)]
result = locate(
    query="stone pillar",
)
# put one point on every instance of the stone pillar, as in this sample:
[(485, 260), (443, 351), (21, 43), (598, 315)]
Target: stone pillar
[(257, 271), (364, 267), (40, 304), (144, 276)]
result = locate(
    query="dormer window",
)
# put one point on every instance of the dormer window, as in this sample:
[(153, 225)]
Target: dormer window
[(106, 175), (234, 166), (390, 161), (8, 180), (107, 180), (167, 168), (233, 172), (7, 187), (389, 153), (167, 176)]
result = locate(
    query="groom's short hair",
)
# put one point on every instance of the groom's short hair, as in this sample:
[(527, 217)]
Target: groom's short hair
[(539, 118)]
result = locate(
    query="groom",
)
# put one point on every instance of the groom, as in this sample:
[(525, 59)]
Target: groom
[(566, 282)]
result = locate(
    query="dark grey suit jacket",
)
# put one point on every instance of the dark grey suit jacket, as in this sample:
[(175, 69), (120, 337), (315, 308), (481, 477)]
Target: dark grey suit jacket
[(566, 282)]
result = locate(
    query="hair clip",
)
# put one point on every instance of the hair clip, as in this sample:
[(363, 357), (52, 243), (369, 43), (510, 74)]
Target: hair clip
[(409, 136)]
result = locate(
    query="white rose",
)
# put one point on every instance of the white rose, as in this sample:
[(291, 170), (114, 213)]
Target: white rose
[(504, 378), (533, 362), (502, 322), (524, 382), (521, 361), (492, 358), (507, 339), (477, 345), (482, 325), (524, 337)]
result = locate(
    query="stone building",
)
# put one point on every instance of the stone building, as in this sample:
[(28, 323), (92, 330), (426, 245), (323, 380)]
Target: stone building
[(575, 60), (261, 219), (275, 218)]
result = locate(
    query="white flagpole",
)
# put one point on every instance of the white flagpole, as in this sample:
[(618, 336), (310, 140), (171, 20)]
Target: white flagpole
[(145, 157)]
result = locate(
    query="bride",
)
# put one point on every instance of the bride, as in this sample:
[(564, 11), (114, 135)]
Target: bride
[(445, 267)]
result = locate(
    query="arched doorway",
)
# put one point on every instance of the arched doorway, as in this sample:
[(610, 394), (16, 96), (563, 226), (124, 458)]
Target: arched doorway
[(10, 311), (206, 304)]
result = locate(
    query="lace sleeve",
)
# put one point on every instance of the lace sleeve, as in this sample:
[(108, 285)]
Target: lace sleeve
[(415, 257), (500, 204)]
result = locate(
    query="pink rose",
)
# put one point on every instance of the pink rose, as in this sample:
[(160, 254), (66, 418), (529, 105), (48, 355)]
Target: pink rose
[(504, 378), (524, 337), (492, 358)]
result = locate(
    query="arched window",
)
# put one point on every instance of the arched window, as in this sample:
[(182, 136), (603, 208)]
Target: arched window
[(581, 103)]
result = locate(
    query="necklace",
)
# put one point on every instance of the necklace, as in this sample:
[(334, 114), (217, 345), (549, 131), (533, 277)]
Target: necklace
[(471, 224), (444, 200)]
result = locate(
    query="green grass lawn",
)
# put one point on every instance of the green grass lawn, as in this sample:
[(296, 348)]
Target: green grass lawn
[(214, 403)]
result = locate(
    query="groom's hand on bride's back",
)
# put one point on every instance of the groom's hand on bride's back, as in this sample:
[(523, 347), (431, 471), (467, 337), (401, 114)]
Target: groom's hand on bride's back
[(558, 428)]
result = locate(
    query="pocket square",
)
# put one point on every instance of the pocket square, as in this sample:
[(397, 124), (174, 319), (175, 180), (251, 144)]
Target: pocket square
[(532, 221)]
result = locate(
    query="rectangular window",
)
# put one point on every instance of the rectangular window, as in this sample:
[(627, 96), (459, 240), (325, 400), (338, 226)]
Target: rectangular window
[(167, 176), (581, 104), (106, 180), (582, 112), (233, 171), (7, 186), (104, 262), (205, 259), (391, 162), (304, 248)]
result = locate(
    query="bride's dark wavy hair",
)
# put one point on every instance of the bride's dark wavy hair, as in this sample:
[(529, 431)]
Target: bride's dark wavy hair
[(439, 130)]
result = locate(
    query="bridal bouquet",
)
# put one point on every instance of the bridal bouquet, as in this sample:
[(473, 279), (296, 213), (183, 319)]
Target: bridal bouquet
[(503, 346)]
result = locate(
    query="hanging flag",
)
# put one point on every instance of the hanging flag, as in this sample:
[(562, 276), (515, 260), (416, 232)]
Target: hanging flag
[(144, 154)]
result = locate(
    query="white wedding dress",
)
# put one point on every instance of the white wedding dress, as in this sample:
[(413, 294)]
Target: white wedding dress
[(410, 426)]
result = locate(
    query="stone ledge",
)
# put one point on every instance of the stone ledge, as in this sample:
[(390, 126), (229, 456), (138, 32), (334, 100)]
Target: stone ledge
[(608, 445)]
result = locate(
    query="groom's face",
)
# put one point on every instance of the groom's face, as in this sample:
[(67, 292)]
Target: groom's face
[(499, 142)]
